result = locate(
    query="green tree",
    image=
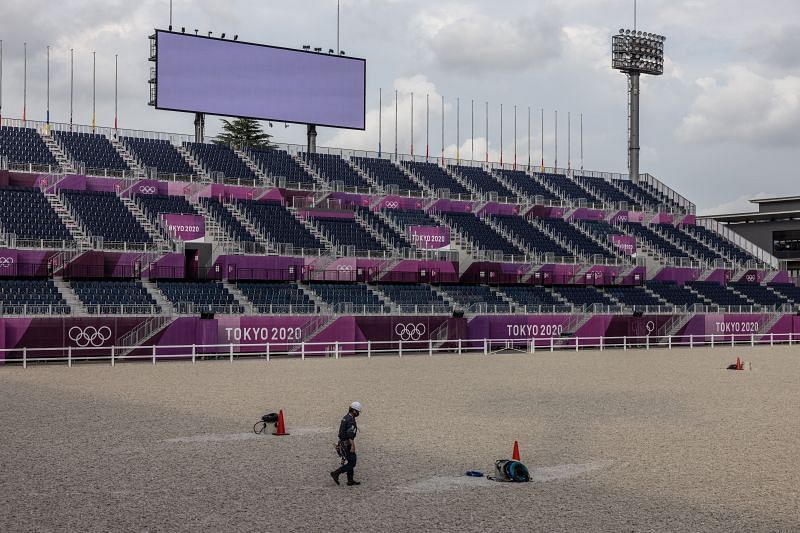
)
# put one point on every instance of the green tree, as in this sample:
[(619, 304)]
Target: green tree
[(242, 133)]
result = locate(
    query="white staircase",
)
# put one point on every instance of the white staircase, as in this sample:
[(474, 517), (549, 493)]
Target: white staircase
[(126, 156), (58, 152), (193, 162), (233, 208), (154, 231), (66, 217), (252, 166), (241, 299), (75, 303), (158, 296)]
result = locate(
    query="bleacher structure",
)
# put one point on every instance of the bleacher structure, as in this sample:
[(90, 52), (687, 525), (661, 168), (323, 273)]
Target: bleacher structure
[(307, 247)]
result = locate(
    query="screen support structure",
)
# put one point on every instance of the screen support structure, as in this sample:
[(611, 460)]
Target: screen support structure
[(199, 127), (312, 139)]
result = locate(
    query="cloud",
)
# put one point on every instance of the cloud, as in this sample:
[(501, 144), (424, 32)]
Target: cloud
[(462, 39), (740, 105), (776, 47), (739, 205)]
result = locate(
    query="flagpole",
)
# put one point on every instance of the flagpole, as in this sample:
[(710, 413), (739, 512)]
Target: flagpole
[(555, 124), (515, 137), (501, 135), (442, 130), (115, 92), (1, 81), (94, 91), (569, 141), (380, 118), (542, 138), (458, 130), (581, 142), (24, 82), (529, 138), (427, 126), (47, 115), (412, 125), (487, 131), (472, 129), (395, 123), (71, 83)]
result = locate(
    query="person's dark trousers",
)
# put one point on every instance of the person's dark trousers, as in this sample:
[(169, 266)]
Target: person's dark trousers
[(348, 467)]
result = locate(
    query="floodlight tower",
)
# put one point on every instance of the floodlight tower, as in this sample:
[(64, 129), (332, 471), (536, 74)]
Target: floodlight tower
[(634, 53)]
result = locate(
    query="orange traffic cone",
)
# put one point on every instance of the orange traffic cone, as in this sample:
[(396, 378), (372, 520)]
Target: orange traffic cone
[(281, 429), (738, 364), (515, 455)]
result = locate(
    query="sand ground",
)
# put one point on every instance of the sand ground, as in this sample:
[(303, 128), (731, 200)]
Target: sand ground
[(615, 441)]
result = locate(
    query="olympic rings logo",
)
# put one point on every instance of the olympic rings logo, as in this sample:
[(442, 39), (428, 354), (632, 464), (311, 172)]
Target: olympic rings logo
[(391, 205), (650, 326), (410, 332), (6, 262), (83, 337), (750, 277), (147, 189), (344, 268)]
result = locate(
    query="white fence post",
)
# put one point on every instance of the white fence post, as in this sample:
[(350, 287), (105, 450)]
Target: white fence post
[(401, 348), (691, 341), (601, 344), (712, 340), (112, 356), (485, 346), (230, 351), (24, 357), (266, 350), (154, 354), (369, 349), (647, 342), (552, 344), (69, 356), (194, 353), (625, 343), (577, 343), (336, 350), (430, 347), (772, 339), (302, 351), (669, 342), (732, 339), (459, 346), (752, 340)]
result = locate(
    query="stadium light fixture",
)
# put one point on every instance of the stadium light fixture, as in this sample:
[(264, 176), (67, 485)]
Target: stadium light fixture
[(196, 31), (183, 29), (235, 37), (222, 36), (306, 47), (635, 53), (209, 33), (318, 49), (341, 52)]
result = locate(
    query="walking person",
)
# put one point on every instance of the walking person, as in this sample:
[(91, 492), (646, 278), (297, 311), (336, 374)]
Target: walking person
[(348, 429)]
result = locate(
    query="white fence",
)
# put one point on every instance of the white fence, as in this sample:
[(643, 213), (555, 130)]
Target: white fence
[(369, 349)]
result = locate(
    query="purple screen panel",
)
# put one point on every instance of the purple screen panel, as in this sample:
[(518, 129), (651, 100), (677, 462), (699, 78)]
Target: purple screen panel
[(219, 77)]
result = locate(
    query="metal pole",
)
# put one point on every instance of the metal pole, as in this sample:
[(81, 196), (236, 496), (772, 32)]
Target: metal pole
[(1, 82), (542, 139), (487, 132), (458, 130), (581, 142), (395, 122), (555, 163), (515, 137), (442, 130), (380, 119), (412, 125), (24, 81), (529, 138), (71, 83), (47, 116), (94, 91), (501, 135), (633, 134), (427, 126), (337, 26), (170, 15), (569, 141), (472, 129), (115, 90)]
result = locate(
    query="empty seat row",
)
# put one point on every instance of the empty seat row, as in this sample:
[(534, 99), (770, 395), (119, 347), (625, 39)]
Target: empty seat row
[(31, 296), (95, 151), (333, 168), (159, 154), (26, 213), (482, 181), (24, 145), (109, 297), (435, 177), (277, 297), (480, 234), (221, 158), (385, 173), (102, 214), (200, 297)]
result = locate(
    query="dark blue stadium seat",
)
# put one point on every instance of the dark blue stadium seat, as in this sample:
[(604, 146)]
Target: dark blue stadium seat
[(278, 164), (482, 181), (415, 298), (645, 234), (435, 177), (409, 217), (571, 234), (24, 145), (536, 241), (31, 297), (220, 158), (477, 298), (759, 294), (103, 214), (480, 234), (674, 293), (385, 173), (277, 297), (350, 297), (346, 232), (113, 297), (95, 151), (582, 296), (277, 224), (197, 297), (527, 185), (531, 296), (567, 189), (633, 297), (606, 191), (718, 294), (229, 223), (717, 241), (332, 168), (696, 248), (789, 291), (26, 213), (159, 154), (383, 229)]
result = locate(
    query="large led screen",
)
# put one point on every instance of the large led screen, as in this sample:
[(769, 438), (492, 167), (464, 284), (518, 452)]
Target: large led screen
[(222, 77)]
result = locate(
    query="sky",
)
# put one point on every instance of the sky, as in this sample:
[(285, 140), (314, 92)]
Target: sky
[(721, 126)]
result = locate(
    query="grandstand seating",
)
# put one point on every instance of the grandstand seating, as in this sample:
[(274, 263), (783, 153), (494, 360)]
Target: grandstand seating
[(527, 185), (477, 298), (387, 232), (409, 217), (279, 164), (159, 154), (674, 293), (95, 151), (103, 214), (482, 181), (531, 295), (574, 236), (277, 224), (643, 233), (346, 297), (435, 177), (277, 298), (332, 168), (229, 223), (480, 234), (759, 294), (154, 205), (24, 145), (26, 213), (108, 297), (606, 191), (386, 174), (221, 158), (788, 290), (718, 294), (696, 248), (567, 188), (581, 296), (344, 232), (633, 296), (534, 239), (196, 297), (413, 298), (599, 229), (31, 297), (716, 241)]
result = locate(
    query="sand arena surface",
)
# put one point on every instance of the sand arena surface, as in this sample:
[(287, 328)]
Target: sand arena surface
[(633, 441)]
